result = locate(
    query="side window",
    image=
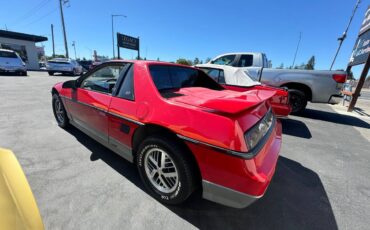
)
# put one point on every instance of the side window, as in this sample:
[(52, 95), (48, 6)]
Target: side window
[(103, 80), (224, 60), (127, 89), (245, 61)]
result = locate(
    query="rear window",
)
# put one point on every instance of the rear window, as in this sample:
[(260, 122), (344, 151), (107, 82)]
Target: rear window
[(176, 77), (7, 54)]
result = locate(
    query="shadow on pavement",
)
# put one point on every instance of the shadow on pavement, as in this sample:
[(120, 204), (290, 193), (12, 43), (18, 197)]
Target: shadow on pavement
[(334, 117), (295, 128), (296, 198)]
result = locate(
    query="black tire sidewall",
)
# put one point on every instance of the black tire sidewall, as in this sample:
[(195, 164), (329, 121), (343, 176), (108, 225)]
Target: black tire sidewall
[(186, 179), (303, 98), (65, 120)]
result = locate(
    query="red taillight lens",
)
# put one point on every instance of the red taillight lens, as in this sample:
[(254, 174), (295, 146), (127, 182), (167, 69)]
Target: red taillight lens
[(340, 78)]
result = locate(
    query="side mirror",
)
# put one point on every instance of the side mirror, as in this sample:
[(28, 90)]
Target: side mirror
[(69, 84)]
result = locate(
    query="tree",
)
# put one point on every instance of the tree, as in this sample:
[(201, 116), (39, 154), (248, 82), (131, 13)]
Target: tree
[(311, 63), (183, 61), (208, 59), (196, 61), (158, 59)]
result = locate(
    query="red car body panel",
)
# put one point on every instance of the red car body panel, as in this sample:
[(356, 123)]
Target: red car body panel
[(214, 121), (279, 102)]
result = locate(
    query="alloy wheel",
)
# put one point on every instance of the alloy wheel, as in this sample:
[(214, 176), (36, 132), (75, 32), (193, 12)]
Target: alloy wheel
[(161, 170), (59, 110)]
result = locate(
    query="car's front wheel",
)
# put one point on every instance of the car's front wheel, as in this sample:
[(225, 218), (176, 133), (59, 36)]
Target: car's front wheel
[(60, 113), (166, 170)]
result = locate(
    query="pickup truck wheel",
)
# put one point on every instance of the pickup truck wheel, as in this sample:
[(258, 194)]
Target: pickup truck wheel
[(298, 100), (166, 171), (51, 73), (60, 113)]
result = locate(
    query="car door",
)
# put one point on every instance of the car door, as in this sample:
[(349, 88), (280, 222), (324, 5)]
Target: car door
[(91, 99), (123, 110)]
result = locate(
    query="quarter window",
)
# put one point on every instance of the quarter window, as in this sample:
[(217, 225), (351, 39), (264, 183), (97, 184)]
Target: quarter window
[(127, 89)]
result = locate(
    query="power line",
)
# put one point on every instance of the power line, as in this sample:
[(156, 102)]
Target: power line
[(32, 11), (42, 17), (296, 51), (341, 39)]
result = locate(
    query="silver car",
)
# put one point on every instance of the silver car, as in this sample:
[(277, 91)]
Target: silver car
[(10, 62), (63, 66)]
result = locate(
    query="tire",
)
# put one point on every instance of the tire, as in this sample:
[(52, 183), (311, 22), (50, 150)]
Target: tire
[(59, 111), (74, 73), (24, 73), (176, 161), (298, 100), (51, 73)]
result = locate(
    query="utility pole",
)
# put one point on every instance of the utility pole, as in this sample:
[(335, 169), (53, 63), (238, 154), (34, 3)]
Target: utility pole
[(296, 51), (74, 47), (360, 83), (344, 35), (115, 15), (52, 38), (64, 27)]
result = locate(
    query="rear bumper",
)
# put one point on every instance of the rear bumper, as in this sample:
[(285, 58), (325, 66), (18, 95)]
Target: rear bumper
[(12, 70), (226, 196), (234, 181)]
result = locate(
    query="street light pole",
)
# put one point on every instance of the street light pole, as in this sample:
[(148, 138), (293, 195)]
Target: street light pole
[(115, 15), (74, 47)]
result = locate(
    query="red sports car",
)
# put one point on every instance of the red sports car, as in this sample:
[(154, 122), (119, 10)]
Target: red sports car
[(182, 129)]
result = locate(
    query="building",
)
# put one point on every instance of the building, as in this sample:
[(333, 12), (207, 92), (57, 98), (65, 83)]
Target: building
[(24, 45)]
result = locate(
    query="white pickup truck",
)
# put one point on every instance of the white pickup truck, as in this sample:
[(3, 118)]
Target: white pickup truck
[(317, 86)]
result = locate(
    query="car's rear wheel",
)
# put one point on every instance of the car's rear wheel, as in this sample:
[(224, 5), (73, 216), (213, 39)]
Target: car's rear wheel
[(51, 73), (298, 100), (166, 170), (60, 113)]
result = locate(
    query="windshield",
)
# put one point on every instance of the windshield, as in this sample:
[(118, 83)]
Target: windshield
[(7, 54), (167, 77)]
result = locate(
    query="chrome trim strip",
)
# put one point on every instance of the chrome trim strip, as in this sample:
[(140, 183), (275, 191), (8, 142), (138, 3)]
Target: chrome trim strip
[(245, 155), (226, 196), (126, 118), (105, 111)]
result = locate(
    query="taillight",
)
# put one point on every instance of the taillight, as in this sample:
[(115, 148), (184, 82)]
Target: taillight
[(340, 78)]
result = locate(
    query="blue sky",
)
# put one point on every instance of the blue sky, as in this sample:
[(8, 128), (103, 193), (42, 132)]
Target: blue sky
[(171, 29)]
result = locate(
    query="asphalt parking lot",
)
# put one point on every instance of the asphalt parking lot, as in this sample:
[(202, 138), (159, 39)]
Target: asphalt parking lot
[(322, 178)]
